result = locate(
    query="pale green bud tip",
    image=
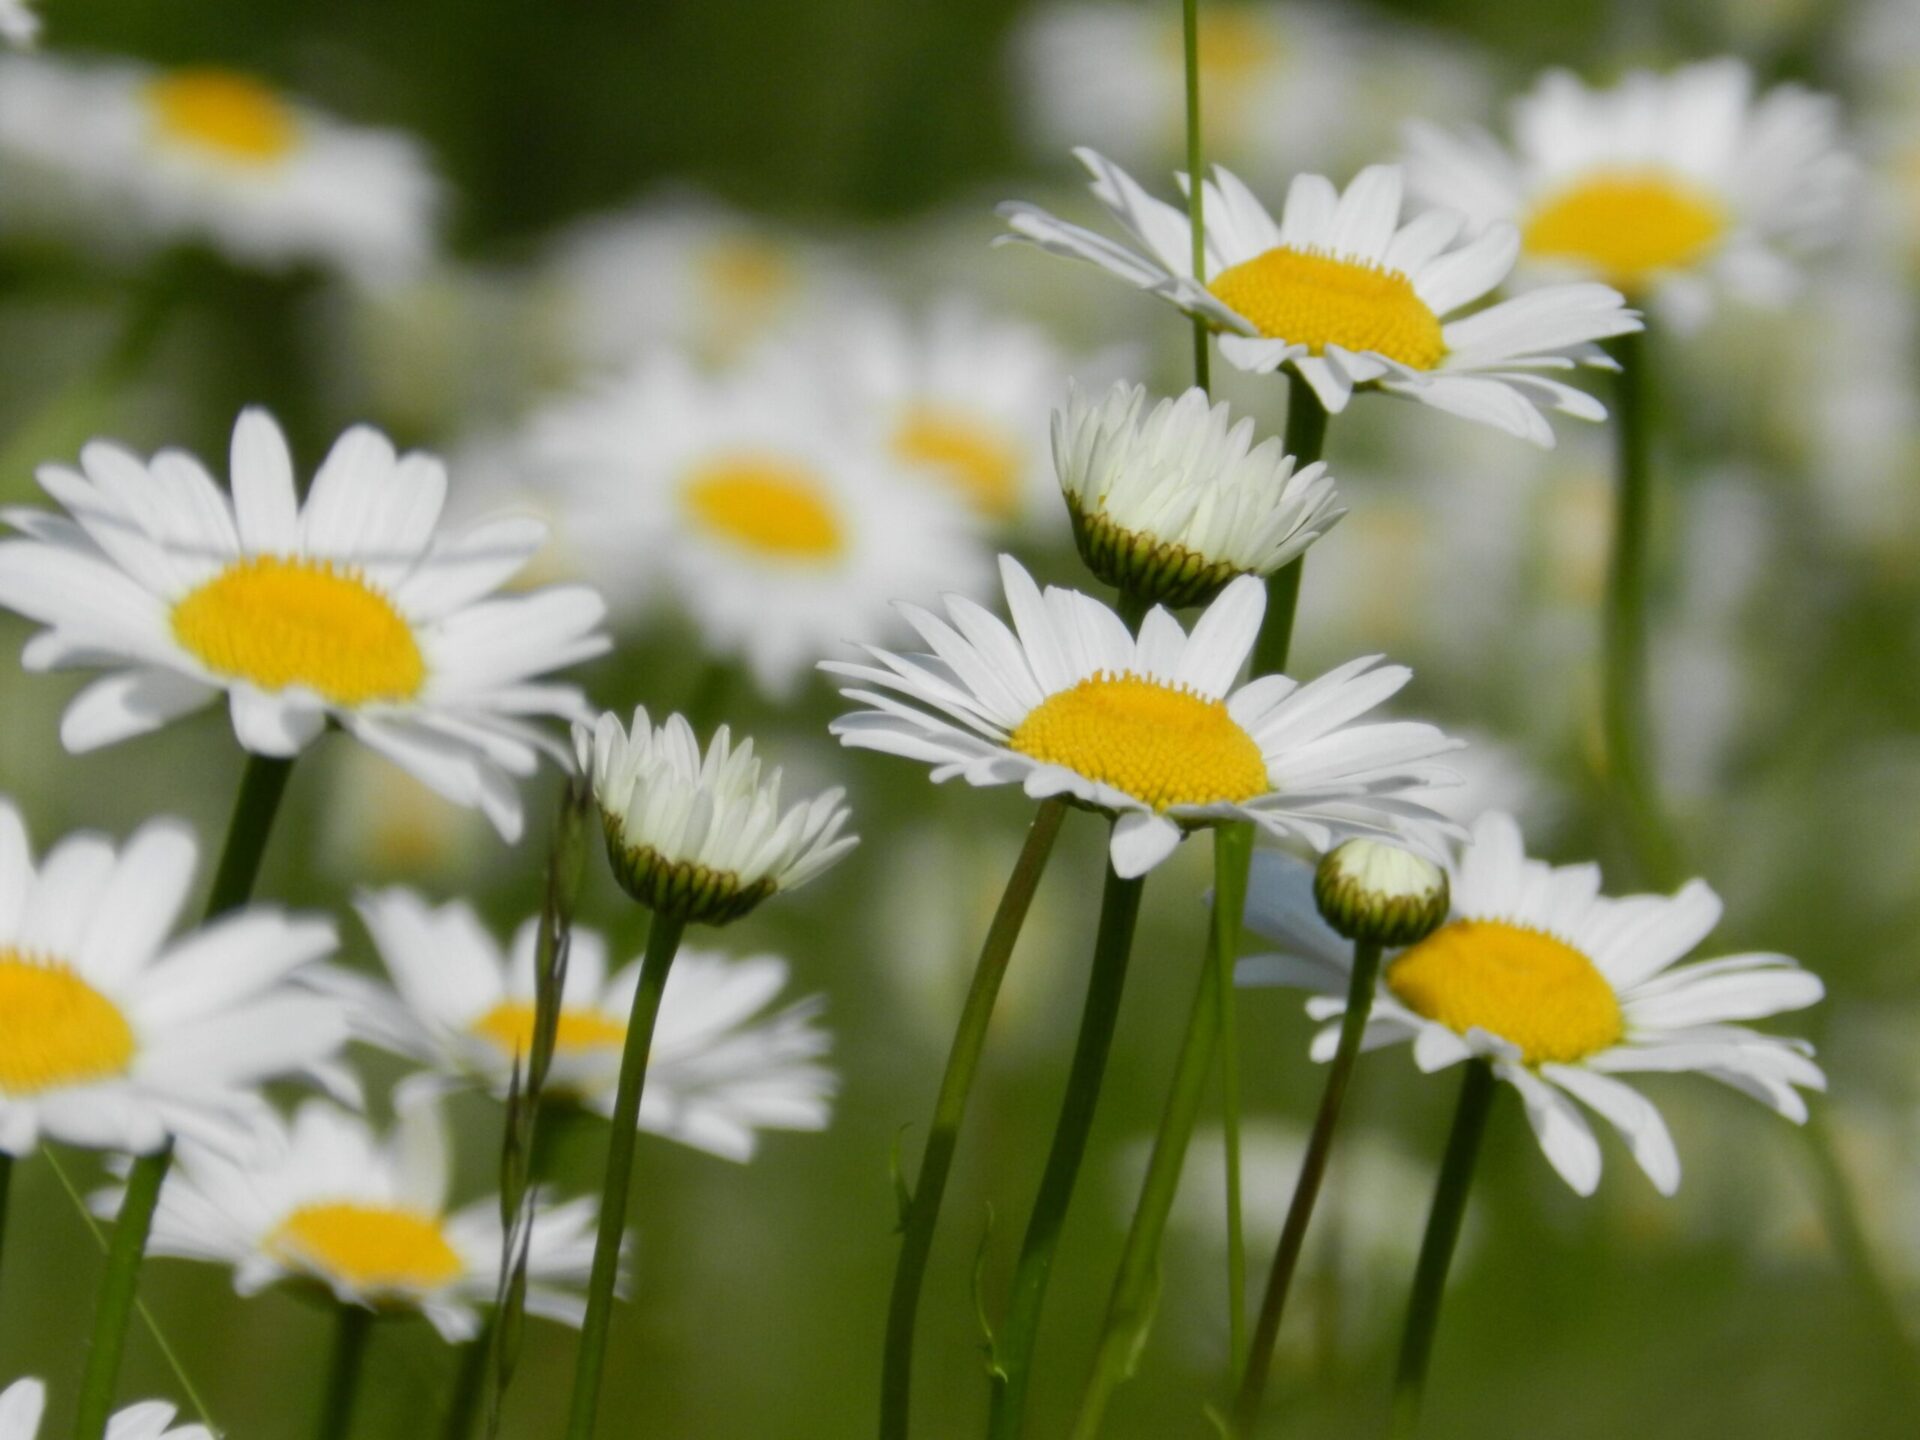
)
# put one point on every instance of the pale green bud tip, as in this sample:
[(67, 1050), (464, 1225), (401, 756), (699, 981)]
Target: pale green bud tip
[(1380, 894)]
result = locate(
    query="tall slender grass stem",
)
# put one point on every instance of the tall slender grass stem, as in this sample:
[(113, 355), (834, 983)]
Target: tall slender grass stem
[(1232, 862), (1196, 191)]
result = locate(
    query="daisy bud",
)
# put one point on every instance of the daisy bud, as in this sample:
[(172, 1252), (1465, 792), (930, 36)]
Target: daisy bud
[(1379, 894)]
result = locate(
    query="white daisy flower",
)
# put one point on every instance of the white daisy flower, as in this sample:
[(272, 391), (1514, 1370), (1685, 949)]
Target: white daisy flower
[(18, 24), (354, 607), (749, 505), (1562, 988), (325, 1201), (23, 1402), (1343, 292), (1668, 186), (720, 1069), (702, 836), (1153, 730), (114, 1037), (216, 156), (1174, 502), (961, 399), (685, 271)]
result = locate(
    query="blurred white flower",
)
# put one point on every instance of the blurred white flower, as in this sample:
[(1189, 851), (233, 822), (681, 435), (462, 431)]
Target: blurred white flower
[(23, 1402), (746, 503), (326, 1201), (1672, 187), (355, 607), (721, 1067), (131, 153), (18, 24)]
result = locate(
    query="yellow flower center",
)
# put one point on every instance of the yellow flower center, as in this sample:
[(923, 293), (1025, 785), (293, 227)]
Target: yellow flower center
[(977, 462), (56, 1030), (747, 273), (370, 1247), (766, 505), (1235, 45), (1162, 745), (1317, 300), (283, 622), (1528, 988), (233, 117), (1626, 225), (509, 1025)]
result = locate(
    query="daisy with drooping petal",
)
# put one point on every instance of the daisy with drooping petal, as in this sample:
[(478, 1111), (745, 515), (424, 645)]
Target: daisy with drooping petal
[(720, 1069), (1561, 989), (216, 156), (1667, 186), (23, 1402), (748, 504), (354, 607), (1154, 730), (1347, 296), (114, 1037), (1173, 503), (325, 1201), (702, 836)]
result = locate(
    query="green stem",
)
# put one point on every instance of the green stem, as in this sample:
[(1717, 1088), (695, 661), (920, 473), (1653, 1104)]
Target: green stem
[(663, 942), (1305, 440), (921, 1215), (1436, 1249), (1013, 1349), (1232, 862), (469, 1381), (352, 1328), (1624, 708), (1306, 1189), (262, 785), (1132, 608), (6, 1190), (1196, 191)]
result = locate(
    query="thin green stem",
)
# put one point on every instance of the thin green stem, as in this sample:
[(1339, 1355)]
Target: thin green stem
[(1436, 1248), (166, 1350), (921, 1214), (262, 785), (1305, 440), (663, 942), (117, 1292), (1013, 1349), (353, 1326), (1624, 706), (1232, 862), (469, 1383), (1306, 1188), (1196, 190), (1132, 608), (6, 1191)]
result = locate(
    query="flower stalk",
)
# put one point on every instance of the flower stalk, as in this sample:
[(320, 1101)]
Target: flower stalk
[(353, 1327)]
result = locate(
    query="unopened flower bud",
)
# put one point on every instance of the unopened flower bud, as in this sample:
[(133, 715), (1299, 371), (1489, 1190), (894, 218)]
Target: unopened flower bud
[(1379, 894)]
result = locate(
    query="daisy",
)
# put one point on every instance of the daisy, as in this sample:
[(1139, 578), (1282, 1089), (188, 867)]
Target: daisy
[(1343, 292), (749, 505), (325, 1202), (23, 1402), (1152, 730), (116, 1038), (720, 1069), (1174, 502), (18, 24), (216, 156), (961, 400), (354, 607), (1562, 989), (1670, 187), (702, 837)]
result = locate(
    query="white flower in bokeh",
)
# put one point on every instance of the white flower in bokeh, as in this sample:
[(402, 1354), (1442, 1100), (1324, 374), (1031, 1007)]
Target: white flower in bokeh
[(23, 1402)]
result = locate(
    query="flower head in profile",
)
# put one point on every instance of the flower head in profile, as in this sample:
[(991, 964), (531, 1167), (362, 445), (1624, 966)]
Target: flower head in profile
[(1174, 502), (325, 1202), (746, 503), (23, 1402), (355, 607), (1154, 730), (720, 1070), (1670, 187), (1562, 989), (702, 836), (116, 1037), (1346, 295), (166, 156)]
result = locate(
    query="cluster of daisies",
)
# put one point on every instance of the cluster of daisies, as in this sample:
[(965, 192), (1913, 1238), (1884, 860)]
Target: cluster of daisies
[(804, 475)]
